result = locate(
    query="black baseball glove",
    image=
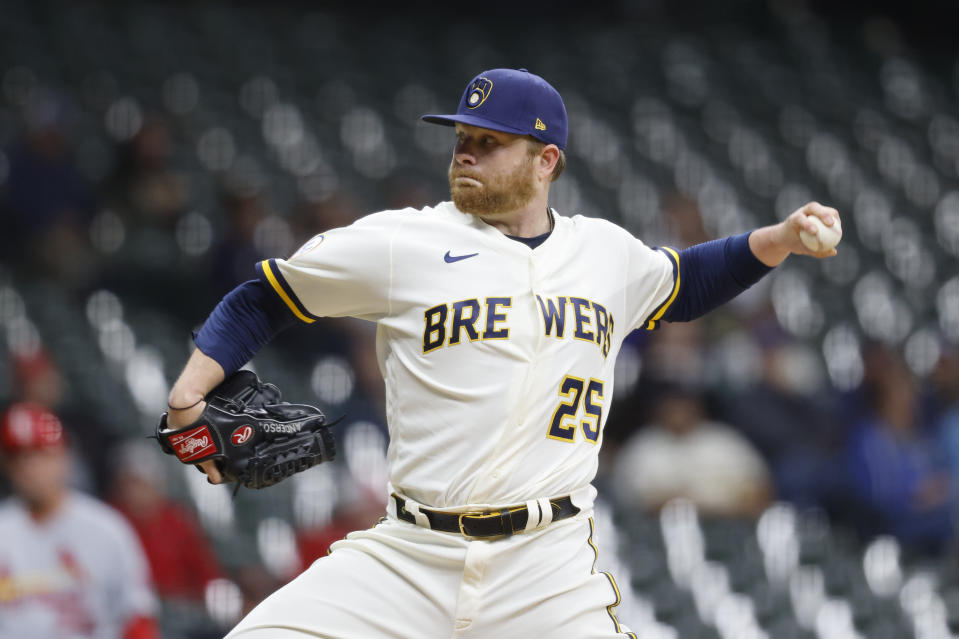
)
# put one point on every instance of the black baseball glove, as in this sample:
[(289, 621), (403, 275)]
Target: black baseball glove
[(252, 437)]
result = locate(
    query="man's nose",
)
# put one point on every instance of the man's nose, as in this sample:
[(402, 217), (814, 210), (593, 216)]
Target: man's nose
[(462, 154)]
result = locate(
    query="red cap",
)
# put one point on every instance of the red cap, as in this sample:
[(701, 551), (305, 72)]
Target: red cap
[(29, 426)]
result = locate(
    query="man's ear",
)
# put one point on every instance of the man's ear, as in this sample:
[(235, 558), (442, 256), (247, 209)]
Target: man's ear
[(548, 158)]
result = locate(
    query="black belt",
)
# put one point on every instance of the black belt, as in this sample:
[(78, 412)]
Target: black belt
[(494, 523)]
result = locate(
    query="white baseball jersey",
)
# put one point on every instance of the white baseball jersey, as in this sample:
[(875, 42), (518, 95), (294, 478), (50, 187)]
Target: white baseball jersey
[(79, 575), (498, 358)]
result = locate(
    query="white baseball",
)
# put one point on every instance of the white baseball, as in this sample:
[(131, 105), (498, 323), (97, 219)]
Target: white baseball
[(826, 237)]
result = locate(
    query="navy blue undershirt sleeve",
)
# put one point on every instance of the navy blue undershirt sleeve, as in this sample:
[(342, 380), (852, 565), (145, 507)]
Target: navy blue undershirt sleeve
[(711, 274), (247, 318)]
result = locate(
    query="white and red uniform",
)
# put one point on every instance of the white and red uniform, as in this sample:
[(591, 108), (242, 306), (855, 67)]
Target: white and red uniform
[(80, 574)]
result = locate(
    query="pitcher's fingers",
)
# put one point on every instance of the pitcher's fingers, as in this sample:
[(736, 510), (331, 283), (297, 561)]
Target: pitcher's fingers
[(212, 472), (825, 213)]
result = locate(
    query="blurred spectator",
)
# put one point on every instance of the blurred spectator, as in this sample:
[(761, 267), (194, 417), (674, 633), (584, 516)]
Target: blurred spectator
[(44, 186), (236, 252), (144, 223), (677, 354), (684, 220), (893, 465), (946, 378), (409, 188), (310, 218), (358, 511), (144, 184), (682, 454), (797, 437), (47, 202), (181, 559), (37, 378), (69, 565), (369, 379), (256, 584)]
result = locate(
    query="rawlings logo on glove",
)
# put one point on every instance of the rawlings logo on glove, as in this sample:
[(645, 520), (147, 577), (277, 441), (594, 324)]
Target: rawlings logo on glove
[(241, 435), (192, 444), (253, 438)]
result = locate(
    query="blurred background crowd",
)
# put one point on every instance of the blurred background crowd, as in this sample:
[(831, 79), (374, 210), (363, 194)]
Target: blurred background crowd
[(786, 467)]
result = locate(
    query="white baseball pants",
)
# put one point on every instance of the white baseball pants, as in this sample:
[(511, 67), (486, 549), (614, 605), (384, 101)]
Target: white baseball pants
[(399, 580)]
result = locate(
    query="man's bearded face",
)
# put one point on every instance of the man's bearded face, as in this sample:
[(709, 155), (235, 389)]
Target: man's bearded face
[(491, 192)]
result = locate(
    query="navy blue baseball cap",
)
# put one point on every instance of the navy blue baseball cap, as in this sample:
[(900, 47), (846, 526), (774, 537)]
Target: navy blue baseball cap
[(514, 101)]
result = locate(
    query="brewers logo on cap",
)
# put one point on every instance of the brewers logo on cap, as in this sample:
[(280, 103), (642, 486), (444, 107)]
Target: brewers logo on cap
[(479, 91), (525, 104)]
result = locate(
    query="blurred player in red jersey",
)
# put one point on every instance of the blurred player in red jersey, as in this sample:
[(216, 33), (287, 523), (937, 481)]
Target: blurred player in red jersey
[(70, 566), (181, 558)]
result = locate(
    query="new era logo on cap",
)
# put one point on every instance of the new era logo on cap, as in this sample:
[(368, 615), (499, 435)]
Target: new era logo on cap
[(514, 101)]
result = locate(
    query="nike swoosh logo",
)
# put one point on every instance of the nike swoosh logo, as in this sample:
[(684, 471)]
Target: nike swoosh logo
[(456, 258)]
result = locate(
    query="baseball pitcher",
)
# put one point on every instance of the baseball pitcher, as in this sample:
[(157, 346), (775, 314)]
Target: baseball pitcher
[(498, 324)]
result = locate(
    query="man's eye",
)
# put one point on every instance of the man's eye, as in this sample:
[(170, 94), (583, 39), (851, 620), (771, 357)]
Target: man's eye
[(489, 140)]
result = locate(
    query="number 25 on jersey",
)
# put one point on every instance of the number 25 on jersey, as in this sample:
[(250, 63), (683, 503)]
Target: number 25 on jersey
[(578, 392)]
